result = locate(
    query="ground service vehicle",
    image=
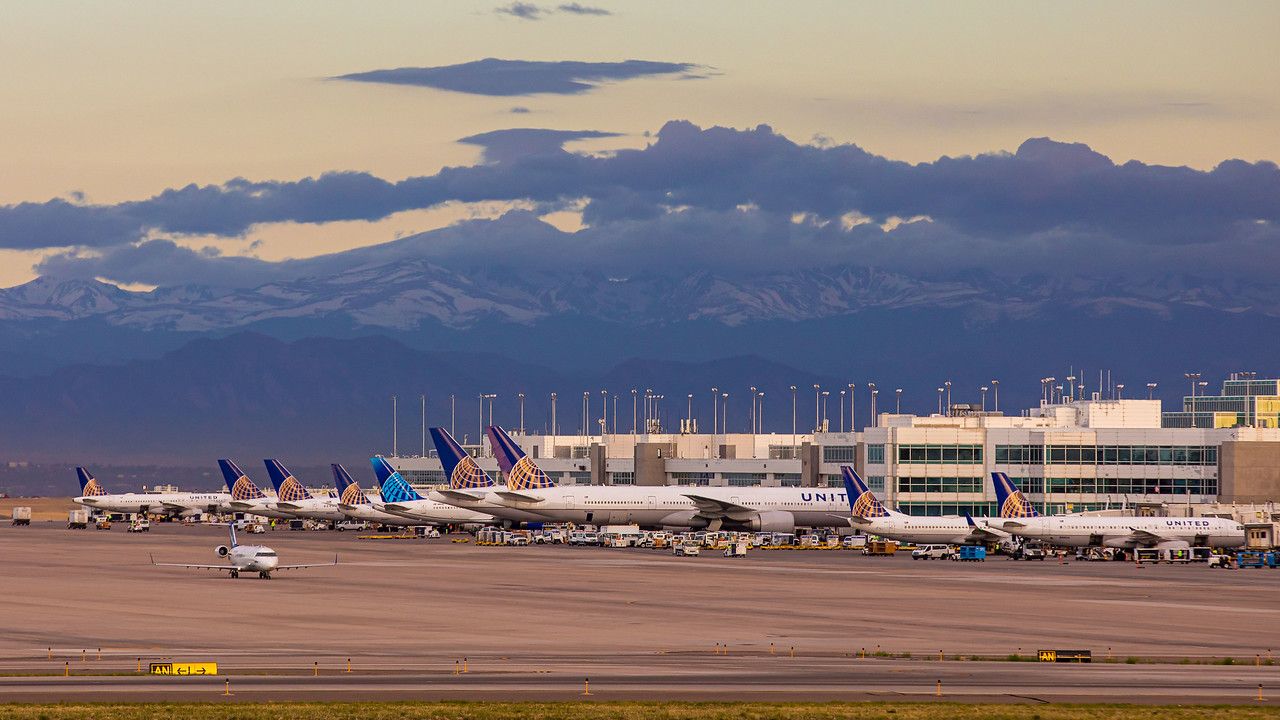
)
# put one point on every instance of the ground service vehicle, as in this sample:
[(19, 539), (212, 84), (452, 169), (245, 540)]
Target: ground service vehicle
[(77, 519), (141, 525), (686, 549), (21, 516), (931, 552)]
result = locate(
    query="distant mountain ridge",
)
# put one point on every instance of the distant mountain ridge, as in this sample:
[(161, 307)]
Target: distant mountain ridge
[(404, 294)]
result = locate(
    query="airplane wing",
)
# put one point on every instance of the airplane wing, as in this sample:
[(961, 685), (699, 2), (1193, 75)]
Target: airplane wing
[(712, 506), (983, 532), (308, 565), (194, 566), (461, 495), (1145, 536), (514, 496)]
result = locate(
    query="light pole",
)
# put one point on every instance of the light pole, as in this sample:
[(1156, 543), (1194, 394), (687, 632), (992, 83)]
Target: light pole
[(553, 420), (825, 393), (817, 392), (633, 413), (1193, 377), (793, 418), (853, 402), (604, 413), (724, 414), (521, 396), (453, 415), (480, 423), (586, 415), (947, 385), (395, 429), (1071, 383), (940, 401), (688, 420), (842, 394), (872, 387), (1151, 390), (424, 425), (715, 414), (753, 412), (1119, 391), (760, 411), (897, 404), (995, 385), (984, 398)]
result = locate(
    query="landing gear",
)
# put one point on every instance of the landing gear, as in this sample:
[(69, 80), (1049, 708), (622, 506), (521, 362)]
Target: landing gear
[(264, 575), (235, 574)]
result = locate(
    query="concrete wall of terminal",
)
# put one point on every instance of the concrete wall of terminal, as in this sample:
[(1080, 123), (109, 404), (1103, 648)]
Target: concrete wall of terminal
[(1249, 472)]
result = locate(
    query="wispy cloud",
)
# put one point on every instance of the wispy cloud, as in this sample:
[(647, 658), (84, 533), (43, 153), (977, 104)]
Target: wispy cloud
[(493, 76), (530, 11)]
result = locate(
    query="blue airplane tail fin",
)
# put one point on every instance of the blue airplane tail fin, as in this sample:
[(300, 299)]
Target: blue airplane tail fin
[(521, 471), (459, 467), (394, 487), (349, 492), (288, 489), (1011, 501), (89, 485), (239, 484), (862, 502)]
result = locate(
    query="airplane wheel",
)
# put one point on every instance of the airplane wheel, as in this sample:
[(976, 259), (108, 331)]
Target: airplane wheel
[(235, 574)]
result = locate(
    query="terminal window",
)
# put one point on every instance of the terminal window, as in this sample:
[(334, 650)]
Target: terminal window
[(744, 479), (622, 478), (1132, 455), (940, 484), (875, 454), (938, 509), (940, 454), (692, 478), (1019, 454), (839, 453)]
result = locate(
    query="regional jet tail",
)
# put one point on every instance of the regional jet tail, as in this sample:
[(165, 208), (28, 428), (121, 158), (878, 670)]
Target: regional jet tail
[(522, 473)]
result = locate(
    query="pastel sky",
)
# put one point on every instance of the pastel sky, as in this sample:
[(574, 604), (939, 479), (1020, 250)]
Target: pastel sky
[(109, 102)]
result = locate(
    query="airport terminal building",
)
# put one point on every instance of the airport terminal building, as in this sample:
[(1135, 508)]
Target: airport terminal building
[(1068, 456)]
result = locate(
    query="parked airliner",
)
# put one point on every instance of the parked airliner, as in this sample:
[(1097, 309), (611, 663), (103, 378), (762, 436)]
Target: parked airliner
[(245, 558), (868, 514), (470, 486), (1128, 532), (294, 498), (246, 496), (94, 495), (399, 498), (355, 504), (768, 509)]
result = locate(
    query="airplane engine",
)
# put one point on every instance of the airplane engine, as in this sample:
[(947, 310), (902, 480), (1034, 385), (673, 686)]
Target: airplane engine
[(222, 550), (773, 521), (683, 520)]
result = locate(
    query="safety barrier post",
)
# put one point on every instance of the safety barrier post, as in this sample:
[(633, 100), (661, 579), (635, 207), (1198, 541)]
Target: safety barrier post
[(938, 690), (940, 656), (348, 664), (315, 668), (84, 655), (771, 649), (66, 668), (464, 665), (227, 691), (586, 686), (457, 669), (793, 651), (50, 653), (99, 653), (139, 664), (1260, 698)]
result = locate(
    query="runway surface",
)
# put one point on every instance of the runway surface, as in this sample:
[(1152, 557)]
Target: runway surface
[(534, 622)]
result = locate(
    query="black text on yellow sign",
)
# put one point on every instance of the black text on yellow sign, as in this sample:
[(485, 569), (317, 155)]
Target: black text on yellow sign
[(184, 668)]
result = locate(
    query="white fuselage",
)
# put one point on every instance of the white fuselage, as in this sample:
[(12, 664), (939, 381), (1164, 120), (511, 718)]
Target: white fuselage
[(369, 512), (927, 530), (316, 508), (432, 512), (482, 500), (670, 506), (253, 558), (264, 507), (1125, 532), (156, 503)]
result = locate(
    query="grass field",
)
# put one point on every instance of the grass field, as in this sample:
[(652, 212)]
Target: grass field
[(630, 711)]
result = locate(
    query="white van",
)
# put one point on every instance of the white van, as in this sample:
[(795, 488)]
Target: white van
[(931, 552)]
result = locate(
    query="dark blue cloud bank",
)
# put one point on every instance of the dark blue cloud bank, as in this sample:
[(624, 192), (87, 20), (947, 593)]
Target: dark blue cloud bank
[(721, 199), (530, 11), (504, 78)]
